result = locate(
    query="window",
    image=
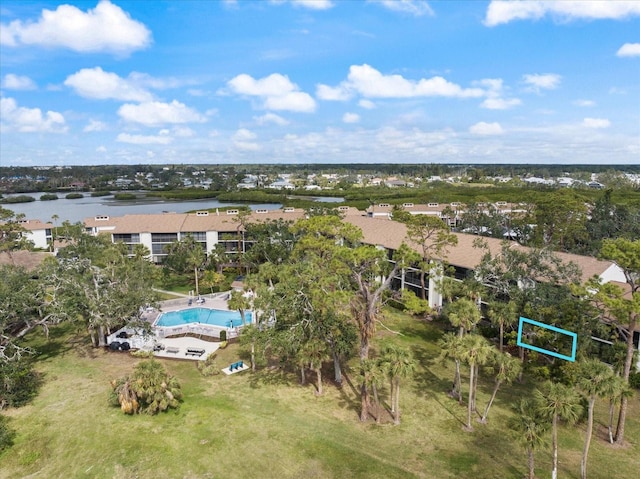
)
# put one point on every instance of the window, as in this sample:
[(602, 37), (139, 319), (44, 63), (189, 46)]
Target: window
[(127, 238), (164, 237)]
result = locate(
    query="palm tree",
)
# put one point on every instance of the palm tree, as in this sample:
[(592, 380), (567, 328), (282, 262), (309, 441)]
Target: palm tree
[(558, 402), (530, 428), (55, 219), (593, 379), (239, 302), (506, 368), (614, 391), (503, 315), (450, 348), (476, 351), (464, 315), (399, 363), (371, 371)]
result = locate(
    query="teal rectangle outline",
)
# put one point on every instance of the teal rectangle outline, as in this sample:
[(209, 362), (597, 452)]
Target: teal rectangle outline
[(573, 335)]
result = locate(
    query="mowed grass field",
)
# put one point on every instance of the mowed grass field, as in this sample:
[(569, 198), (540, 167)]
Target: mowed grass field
[(266, 425)]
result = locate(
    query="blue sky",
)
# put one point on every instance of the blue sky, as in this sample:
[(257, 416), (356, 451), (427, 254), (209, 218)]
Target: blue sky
[(319, 81)]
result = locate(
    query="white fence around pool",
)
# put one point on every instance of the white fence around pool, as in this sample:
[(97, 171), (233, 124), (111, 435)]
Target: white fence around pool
[(199, 329)]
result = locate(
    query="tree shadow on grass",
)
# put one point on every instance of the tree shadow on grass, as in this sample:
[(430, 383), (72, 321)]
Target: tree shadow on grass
[(349, 394), (55, 345), (270, 376), (498, 448)]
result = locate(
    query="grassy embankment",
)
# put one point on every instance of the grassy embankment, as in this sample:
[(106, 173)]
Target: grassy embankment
[(267, 425)]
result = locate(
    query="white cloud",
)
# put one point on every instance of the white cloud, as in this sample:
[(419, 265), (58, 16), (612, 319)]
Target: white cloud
[(366, 104), (30, 120), (96, 83), (243, 140), (160, 139), (18, 82), (596, 123), (584, 103), (158, 113), (276, 91), (94, 125), (370, 83), (351, 118), (413, 7), (106, 28), (484, 129), (505, 11), (270, 118), (101, 149), (310, 4), (328, 93), (183, 132), (629, 50), (546, 81), (500, 103)]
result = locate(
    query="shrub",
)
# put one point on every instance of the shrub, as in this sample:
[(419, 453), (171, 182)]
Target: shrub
[(19, 383), (74, 196), (48, 197), (223, 335), (634, 380), (6, 434), (141, 353), (208, 367)]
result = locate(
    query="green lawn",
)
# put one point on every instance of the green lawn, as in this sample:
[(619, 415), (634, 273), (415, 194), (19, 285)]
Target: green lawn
[(266, 425)]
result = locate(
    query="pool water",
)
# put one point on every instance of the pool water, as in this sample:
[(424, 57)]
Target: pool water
[(215, 317)]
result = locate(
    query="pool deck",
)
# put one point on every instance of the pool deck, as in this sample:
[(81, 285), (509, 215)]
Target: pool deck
[(176, 347)]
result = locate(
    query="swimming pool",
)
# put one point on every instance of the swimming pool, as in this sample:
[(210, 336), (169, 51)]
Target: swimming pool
[(214, 317)]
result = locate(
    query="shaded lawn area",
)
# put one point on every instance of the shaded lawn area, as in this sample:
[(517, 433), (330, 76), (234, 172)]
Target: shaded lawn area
[(267, 425)]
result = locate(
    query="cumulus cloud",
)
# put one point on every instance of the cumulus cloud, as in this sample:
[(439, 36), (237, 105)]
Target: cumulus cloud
[(243, 139), (412, 7), (94, 125), (30, 120), (500, 103), (546, 81), (366, 104), (96, 83), (328, 93), (351, 118), (505, 11), (484, 129), (596, 123), (157, 113), (106, 28), (370, 83), (18, 82), (276, 91), (629, 50), (270, 118), (310, 4), (161, 139), (495, 95)]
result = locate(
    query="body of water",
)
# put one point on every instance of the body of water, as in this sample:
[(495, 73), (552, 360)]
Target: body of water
[(88, 207)]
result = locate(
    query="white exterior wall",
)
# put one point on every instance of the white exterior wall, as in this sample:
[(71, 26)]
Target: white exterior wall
[(145, 240), (38, 238), (212, 240)]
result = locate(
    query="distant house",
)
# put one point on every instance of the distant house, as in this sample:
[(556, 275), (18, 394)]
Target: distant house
[(281, 185)]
